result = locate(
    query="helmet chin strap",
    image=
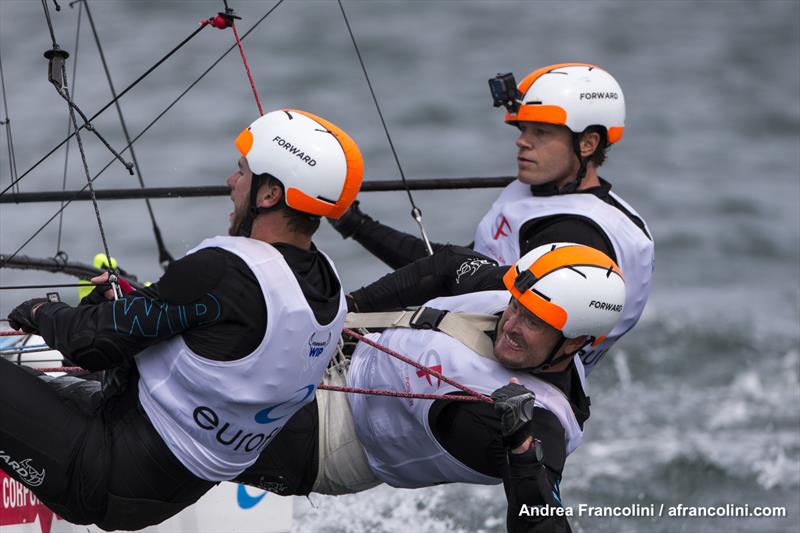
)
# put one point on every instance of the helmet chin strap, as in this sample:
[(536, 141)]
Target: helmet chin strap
[(246, 227), (550, 189), (552, 360)]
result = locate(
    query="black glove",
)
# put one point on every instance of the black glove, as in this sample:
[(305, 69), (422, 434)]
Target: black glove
[(514, 404), (97, 296), (22, 316), (352, 219)]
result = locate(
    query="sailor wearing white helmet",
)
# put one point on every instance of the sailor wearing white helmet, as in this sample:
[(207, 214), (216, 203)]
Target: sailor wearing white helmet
[(568, 116), (558, 298), (204, 368)]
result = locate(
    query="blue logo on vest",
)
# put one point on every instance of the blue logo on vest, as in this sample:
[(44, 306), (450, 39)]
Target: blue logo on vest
[(316, 346), (246, 501), (273, 413)]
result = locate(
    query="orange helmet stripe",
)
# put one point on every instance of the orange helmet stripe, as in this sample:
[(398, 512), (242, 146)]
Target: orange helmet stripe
[(244, 142), (551, 313), (572, 256), (528, 80), (530, 112), (551, 114), (352, 182), (615, 133), (566, 256)]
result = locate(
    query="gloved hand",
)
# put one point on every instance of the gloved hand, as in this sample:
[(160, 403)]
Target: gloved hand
[(514, 403), (22, 317), (352, 219), (102, 290)]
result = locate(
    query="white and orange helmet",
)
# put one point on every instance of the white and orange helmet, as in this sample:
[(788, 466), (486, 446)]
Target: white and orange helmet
[(576, 289), (319, 165), (575, 95)]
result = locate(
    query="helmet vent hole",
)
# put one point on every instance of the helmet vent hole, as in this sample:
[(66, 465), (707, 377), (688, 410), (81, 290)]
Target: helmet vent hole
[(581, 274), (540, 294)]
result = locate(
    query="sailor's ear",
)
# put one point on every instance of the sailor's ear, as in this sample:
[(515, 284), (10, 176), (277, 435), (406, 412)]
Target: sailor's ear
[(589, 143), (573, 345), (269, 194)]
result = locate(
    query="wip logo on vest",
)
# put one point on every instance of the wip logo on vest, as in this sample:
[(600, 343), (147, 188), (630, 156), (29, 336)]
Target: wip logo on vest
[(316, 346)]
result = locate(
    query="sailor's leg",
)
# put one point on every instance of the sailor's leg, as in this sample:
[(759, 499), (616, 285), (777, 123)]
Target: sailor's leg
[(85, 394), (288, 465), (147, 483), (343, 466), (43, 439)]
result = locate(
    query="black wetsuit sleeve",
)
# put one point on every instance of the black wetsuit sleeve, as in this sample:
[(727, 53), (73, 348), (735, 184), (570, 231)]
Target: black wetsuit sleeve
[(564, 228), (450, 271), (391, 246), (470, 432), (197, 292)]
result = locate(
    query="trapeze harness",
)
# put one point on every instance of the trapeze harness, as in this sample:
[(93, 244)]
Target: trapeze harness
[(400, 446)]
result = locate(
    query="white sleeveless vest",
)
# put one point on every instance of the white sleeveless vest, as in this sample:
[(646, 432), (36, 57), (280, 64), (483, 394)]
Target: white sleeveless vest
[(217, 416), (394, 432), (498, 237)]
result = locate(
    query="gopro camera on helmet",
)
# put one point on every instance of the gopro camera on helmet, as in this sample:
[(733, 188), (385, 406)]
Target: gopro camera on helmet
[(504, 92)]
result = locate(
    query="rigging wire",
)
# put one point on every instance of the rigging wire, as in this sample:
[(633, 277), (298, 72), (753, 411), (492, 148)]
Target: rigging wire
[(5, 260), (61, 85), (60, 252), (416, 212), (164, 257), (57, 76), (12, 159), (106, 106)]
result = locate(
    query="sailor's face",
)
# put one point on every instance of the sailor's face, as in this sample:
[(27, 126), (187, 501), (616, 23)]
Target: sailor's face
[(523, 339), (545, 154), (239, 183)]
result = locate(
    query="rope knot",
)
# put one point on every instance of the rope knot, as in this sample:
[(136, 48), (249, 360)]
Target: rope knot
[(222, 20)]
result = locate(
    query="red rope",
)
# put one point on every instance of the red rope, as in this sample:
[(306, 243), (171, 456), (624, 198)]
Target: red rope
[(67, 369), (473, 394), (354, 390), (432, 372), (403, 394), (11, 333), (247, 68), (223, 21)]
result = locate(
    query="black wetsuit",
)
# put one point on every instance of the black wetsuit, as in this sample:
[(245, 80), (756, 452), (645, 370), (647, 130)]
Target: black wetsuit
[(398, 249), (89, 451), (469, 431)]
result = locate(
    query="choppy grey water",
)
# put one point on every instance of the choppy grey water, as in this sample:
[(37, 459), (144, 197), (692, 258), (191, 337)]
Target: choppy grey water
[(699, 405)]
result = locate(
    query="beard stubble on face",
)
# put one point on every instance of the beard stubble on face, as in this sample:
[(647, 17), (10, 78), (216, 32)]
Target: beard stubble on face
[(237, 217), (511, 348)]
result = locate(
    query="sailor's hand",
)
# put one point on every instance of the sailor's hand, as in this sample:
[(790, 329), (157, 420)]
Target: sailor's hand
[(349, 223), (24, 315), (103, 291), (514, 404)]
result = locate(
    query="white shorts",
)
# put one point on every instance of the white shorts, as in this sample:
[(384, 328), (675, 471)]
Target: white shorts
[(343, 466)]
